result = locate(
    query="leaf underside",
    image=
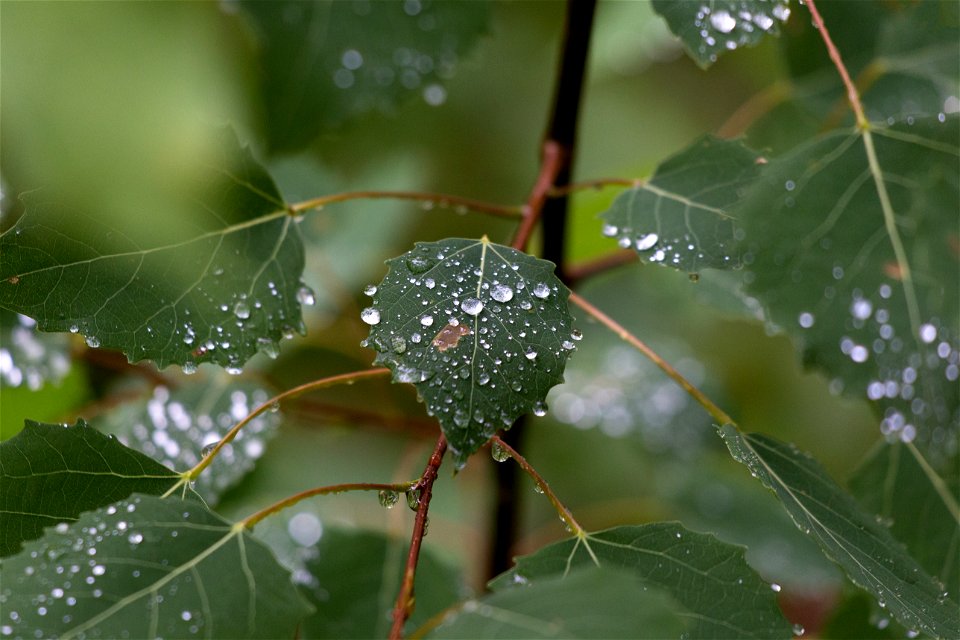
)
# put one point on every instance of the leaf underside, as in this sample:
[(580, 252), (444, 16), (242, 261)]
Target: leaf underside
[(482, 330)]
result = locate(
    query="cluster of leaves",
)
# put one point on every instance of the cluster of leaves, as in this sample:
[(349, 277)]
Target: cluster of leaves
[(846, 239)]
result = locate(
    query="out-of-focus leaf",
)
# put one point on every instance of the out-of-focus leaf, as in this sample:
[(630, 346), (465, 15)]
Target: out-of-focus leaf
[(681, 217), (864, 548), (325, 62), (51, 473), (353, 582), (217, 286), (174, 426), (710, 29), (482, 330), (145, 568), (823, 259), (591, 602), (893, 484), (30, 358), (722, 595)]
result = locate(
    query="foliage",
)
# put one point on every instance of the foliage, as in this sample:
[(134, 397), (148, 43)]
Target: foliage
[(191, 248)]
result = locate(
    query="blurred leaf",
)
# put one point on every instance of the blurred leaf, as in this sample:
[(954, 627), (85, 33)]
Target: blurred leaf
[(216, 287), (708, 30), (853, 619), (144, 568), (174, 427), (590, 602), (482, 330), (864, 548), (680, 218), (354, 578), (822, 259), (325, 62), (30, 358), (722, 595), (51, 473), (892, 484)]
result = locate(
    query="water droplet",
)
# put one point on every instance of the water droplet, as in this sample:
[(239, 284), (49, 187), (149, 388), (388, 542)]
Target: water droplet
[(388, 498), (370, 290), (472, 306), (370, 315), (928, 333), (537, 488), (92, 341), (568, 345), (610, 230), (413, 499), (233, 370), (305, 296), (806, 319), (531, 353), (647, 241), (426, 320), (419, 264), (499, 452), (241, 310), (274, 407), (501, 293), (540, 409), (861, 309), (74, 328), (781, 12), (541, 290), (798, 630), (208, 449), (430, 283), (723, 22), (189, 367), (398, 344), (775, 587), (576, 334)]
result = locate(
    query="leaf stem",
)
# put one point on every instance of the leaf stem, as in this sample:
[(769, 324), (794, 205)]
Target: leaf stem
[(949, 500), (250, 521), (596, 184), (343, 378), (590, 268), (716, 412), (852, 96), (405, 599), (439, 199), (562, 510)]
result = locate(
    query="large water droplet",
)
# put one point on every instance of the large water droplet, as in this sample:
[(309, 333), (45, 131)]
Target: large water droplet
[(306, 296), (501, 293), (370, 315), (413, 499), (241, 310), (540, 408), (541, 290), (472, 306), (93, 341), (388, 498), (419, 264), (426, 320), (647, 241), (499, 452), (370, 290), (723, 22)]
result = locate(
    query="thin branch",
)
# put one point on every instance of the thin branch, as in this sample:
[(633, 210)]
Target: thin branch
[(949, 500), (596, 184), (590, 268), (716, 412), (561, 509), (758, 105), (553, 156), (852, 96), (250, 521), (442, 200), (405, 599)]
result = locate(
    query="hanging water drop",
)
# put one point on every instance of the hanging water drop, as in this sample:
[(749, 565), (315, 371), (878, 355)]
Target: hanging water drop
[(388, 498), (305, 296), (499, 452), (370, 290), (413, 499), (576, 334), (540, 409), (370, 315), (208, 449)]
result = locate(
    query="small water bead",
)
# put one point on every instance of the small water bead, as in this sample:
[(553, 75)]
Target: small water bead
[(540, 409), (370, 315), (501, 293), (74, 329), (498, 452), (430, 283), (646, 242), (472, 306), (530, 353), (624, 242), (388, 498), (92, 341), (370, 290), (775, 587), (610, 230), (541, 290), (427, 321), (576, 334), (305, 296)]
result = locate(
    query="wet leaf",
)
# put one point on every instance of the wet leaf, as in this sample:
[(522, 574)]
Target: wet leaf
[(216, 284), (863, 548), (146, 568), (51, 473), (325, 62), (823, 260), (353, 583), (681, 217), (175, 426), (29, 358), (591, 602), (917, 505), (482, 330), (708, 30), (719, 593)]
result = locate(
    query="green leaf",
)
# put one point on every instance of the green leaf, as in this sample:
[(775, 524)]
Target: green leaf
[(864, 548), (710, 29), (29, 358), (681, 217), (822, 258), (175, 426), (325, 62), (919, 506), (721, 594), (51, 473), (145, 568), (482, 330), (216, 284), (354, 576), (591, 602)]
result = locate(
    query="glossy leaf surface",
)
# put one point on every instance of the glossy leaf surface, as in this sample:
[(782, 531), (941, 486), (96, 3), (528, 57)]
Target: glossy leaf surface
[(864, 548), (326, 62), (719, 593), (857, 274), (217, 284), (145, 568), (591, 602), (681, 217), (51, 473), (708, 30), (482, 330)]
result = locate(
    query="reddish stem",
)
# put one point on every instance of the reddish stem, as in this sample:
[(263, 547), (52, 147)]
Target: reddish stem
[(554, 159), (852, 96)]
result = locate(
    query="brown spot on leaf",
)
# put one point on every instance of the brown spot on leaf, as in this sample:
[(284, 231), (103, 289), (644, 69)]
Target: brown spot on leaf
[(449, 336), (13, 279), (892, 270)]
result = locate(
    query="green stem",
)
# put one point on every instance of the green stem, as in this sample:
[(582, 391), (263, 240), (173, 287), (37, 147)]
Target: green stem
[(438, 199), (949, 500)]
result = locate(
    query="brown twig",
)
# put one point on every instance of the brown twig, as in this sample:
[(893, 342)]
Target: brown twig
[(553, 156), (590, 268), (434, 199), (405, 599)]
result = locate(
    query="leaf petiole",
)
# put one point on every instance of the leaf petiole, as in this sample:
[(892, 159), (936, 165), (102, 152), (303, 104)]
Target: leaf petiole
[(441, 200)]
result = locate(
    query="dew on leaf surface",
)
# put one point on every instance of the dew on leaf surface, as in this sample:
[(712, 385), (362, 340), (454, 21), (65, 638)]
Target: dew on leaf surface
[(370, 315)]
